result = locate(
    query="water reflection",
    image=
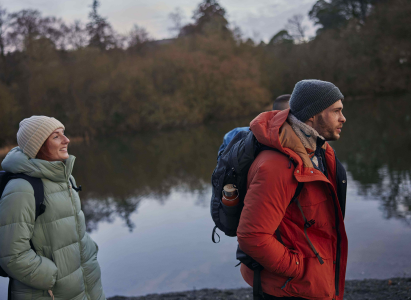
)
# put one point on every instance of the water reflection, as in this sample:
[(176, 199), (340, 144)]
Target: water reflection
[(117, 173), (375, 146), (159, 184)]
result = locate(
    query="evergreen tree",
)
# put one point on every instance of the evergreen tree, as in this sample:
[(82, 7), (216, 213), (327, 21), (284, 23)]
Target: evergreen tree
[(99, 29), (335, 14), (209, 18), (281, 37)]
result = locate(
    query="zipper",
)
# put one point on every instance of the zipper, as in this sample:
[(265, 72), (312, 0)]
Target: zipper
[(285, 284), (338, 256), (79, 240)]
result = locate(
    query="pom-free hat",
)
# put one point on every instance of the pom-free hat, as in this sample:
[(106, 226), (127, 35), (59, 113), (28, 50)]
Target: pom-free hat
[(311, 97), (34, 131)]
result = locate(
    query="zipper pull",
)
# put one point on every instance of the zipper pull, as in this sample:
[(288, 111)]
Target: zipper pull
[(69, 189)]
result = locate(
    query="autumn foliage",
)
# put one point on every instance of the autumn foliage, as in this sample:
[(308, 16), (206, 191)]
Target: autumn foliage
[(99, 83)]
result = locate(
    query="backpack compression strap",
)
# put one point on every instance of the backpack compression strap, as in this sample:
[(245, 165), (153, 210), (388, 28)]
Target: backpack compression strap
[(257, 287)]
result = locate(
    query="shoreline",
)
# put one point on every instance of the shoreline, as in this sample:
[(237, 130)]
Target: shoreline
[(367, 289), (4, 149)]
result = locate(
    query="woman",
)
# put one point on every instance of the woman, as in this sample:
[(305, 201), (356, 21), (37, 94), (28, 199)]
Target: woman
[(63, 264)]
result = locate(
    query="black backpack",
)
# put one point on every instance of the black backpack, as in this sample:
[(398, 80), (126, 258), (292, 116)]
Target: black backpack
[(232, 168)]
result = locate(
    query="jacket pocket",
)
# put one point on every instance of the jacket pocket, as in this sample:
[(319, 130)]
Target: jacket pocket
[(300, 266), (315, 280)]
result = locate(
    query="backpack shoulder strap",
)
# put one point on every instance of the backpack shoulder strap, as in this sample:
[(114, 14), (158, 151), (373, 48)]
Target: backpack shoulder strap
[(297, 191), (38, 188), (77, 189), (300, 184)]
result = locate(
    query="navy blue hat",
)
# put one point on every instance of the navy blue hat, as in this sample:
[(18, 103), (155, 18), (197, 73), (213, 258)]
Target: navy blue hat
[(311, 97)]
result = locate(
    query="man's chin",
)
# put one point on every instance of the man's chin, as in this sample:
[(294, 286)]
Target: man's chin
[(334, 137)]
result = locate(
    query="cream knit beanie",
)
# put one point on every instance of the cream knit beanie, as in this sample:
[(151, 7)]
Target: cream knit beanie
[(34, 131)]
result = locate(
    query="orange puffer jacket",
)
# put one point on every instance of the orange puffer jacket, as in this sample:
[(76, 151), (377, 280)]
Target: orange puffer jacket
[(292, 269)]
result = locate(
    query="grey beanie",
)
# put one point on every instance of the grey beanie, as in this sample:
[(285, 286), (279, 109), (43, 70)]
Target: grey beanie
[(34, 131), (311, 97)]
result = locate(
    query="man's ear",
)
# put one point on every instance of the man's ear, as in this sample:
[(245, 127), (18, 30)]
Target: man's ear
[(310, 121)]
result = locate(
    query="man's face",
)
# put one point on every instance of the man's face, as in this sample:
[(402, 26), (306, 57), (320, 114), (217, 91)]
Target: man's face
[(329, 122)]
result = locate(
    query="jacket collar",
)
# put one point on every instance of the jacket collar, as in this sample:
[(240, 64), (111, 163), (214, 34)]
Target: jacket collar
[(18, 162), (272, 129)]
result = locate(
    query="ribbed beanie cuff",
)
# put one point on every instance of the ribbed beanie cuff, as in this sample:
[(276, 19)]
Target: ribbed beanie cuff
[(34, 131), (311, 97)]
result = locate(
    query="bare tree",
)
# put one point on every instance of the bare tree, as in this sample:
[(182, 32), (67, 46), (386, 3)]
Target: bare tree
[(237, 33), (4, 22), (28, 25), (77, 35), (295, 28), (55, 30), (25, 27), (138, 37), (176, 18)]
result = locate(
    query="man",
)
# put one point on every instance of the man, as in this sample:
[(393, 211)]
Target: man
[(280, 103), (301, 242)]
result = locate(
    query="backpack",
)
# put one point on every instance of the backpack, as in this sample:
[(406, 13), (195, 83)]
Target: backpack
[(229, 136), (232, 168)]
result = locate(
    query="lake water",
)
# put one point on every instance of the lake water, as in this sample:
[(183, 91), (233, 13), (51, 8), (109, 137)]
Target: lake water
[(146, 200)]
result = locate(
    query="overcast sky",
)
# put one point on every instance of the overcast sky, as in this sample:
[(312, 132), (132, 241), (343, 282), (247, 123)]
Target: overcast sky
[(257, 19)]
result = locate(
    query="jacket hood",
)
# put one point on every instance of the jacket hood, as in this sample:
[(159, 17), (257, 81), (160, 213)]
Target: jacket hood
[(272, 129), (18, 162)]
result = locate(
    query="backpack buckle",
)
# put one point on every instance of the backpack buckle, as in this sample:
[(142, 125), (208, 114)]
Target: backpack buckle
[(310, 223)]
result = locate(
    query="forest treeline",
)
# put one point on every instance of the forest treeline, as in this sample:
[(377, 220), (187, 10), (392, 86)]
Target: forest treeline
[(99, 82)]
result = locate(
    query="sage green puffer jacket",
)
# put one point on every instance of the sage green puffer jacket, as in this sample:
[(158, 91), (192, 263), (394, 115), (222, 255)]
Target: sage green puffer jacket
[(66, 258)]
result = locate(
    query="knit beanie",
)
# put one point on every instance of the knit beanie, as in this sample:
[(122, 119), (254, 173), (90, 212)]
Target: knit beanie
[(311, 97), (34, 131)]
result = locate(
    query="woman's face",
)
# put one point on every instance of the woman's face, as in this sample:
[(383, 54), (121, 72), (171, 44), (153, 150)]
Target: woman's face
[(55, 147)]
